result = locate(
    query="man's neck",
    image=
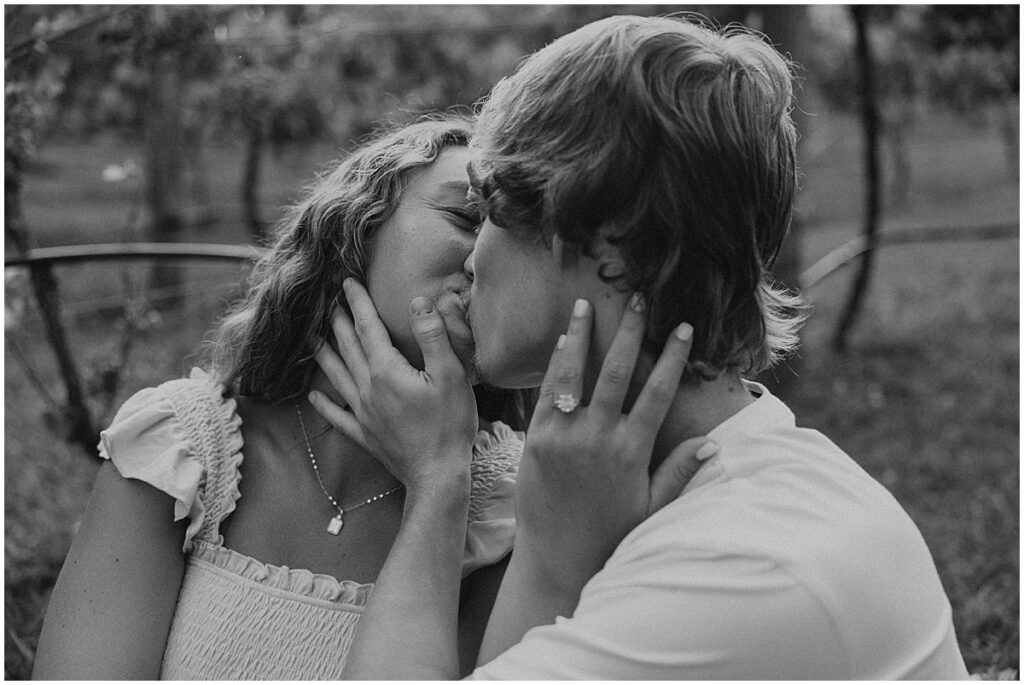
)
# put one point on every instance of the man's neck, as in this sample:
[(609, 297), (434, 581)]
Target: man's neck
[(699, 409)]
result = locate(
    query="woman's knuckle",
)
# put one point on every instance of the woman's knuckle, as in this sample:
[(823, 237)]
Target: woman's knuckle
[(617, 372), (661, 391), (567, 374), (631, 323), (547, 392), (680, 352)]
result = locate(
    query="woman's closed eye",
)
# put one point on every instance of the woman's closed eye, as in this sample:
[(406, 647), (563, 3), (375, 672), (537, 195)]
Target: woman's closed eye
[(465, 217)]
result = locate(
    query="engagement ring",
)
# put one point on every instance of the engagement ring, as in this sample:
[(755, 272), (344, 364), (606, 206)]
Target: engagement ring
[(566, 403)]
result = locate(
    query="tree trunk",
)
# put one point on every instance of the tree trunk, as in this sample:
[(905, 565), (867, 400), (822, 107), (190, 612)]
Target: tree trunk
[(251, 182), (165, 186), (78, 423), (873, 178), (1008, 112), (786, 26)]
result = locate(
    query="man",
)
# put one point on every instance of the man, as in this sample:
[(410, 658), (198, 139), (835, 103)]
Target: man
[(656, 157)]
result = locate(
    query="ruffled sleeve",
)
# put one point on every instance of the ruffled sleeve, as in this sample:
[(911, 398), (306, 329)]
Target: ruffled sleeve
[(492, 523), (157, 437)]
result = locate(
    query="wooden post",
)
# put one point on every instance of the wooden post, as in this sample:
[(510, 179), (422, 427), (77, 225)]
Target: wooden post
[(251, 181)]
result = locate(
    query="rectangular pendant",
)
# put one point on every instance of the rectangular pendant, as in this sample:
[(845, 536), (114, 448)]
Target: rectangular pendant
[(334, 527)]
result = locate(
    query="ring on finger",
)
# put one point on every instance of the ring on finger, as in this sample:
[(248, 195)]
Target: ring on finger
[(566, 403)]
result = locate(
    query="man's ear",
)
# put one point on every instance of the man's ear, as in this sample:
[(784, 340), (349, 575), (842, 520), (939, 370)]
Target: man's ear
[(608, 255), (604, 255)]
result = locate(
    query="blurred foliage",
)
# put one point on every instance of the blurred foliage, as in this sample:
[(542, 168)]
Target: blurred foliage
[(34, 76), (956, 56), (332, 72)]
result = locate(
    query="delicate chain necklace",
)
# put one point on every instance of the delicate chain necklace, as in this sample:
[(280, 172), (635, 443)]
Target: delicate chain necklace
[(334, 527)]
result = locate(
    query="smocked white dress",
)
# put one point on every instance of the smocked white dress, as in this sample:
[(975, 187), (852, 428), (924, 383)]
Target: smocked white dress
[(238, 618)]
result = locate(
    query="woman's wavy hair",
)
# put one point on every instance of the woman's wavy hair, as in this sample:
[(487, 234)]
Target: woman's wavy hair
[(673, 142), (264, 346)]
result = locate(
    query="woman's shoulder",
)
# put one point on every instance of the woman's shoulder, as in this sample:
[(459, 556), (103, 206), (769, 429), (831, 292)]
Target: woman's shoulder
[(493, 471), (184, 407), (496, 451), (182, 437)]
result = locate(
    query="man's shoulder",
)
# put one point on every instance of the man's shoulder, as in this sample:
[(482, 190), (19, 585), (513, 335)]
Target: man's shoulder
[(785, 498), (798, 481), (810, 526)]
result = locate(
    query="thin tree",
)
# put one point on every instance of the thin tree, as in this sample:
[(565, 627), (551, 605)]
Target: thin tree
[(165, 188), (25, 93), (873, 178)]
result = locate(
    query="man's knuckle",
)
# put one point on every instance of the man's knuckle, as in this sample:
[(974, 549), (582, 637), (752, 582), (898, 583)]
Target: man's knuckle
[(431, 332), (363, 324)]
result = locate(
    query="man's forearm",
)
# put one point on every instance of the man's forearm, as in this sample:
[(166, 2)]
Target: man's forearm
[(409, 629)]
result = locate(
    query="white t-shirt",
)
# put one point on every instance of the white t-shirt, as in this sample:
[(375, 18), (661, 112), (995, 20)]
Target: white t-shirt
[(782, 559)]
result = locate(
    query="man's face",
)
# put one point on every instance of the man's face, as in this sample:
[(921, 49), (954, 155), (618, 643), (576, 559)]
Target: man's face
[(520, 302)]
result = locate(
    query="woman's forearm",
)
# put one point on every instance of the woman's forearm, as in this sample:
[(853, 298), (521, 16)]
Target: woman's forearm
[(530, 595), (409, 629)]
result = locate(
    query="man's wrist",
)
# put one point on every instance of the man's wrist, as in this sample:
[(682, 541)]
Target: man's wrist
[(439, 487)]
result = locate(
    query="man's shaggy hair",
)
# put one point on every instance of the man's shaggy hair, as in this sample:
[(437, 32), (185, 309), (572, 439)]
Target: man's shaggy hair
[(673, 142)]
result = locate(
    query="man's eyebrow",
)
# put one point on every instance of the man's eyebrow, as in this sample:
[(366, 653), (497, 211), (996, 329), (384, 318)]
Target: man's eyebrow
[(474, 176)]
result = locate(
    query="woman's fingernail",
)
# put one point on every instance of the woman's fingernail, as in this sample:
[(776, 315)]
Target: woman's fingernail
[(707, 450), (311, 397), (636, 302), (561, 342), (346, 283), (684, 332), (580, 308), (421, 306)]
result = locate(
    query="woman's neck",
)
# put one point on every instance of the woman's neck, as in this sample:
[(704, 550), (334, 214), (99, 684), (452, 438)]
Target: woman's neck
[(349, 472)]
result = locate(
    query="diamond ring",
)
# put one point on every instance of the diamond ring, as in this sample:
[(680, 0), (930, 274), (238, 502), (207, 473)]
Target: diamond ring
[(566, 404)]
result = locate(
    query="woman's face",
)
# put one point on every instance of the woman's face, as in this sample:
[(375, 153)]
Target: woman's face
[(420, 251)]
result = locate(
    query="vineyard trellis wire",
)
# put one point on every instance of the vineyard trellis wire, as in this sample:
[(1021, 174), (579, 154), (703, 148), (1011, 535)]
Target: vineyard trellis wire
[(810, 277)]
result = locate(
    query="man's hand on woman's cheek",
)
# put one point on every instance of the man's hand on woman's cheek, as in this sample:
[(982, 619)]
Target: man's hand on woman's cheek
[(419, 423)]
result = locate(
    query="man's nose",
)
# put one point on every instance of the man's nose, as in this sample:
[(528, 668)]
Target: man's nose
[(467, 266)]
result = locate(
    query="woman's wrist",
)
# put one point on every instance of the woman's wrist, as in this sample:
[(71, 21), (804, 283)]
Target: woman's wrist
[(558, 577)]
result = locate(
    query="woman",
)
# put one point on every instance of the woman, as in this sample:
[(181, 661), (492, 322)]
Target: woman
[(232, 534)]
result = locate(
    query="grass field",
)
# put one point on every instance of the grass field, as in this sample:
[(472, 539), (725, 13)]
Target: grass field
[(926, 398)]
